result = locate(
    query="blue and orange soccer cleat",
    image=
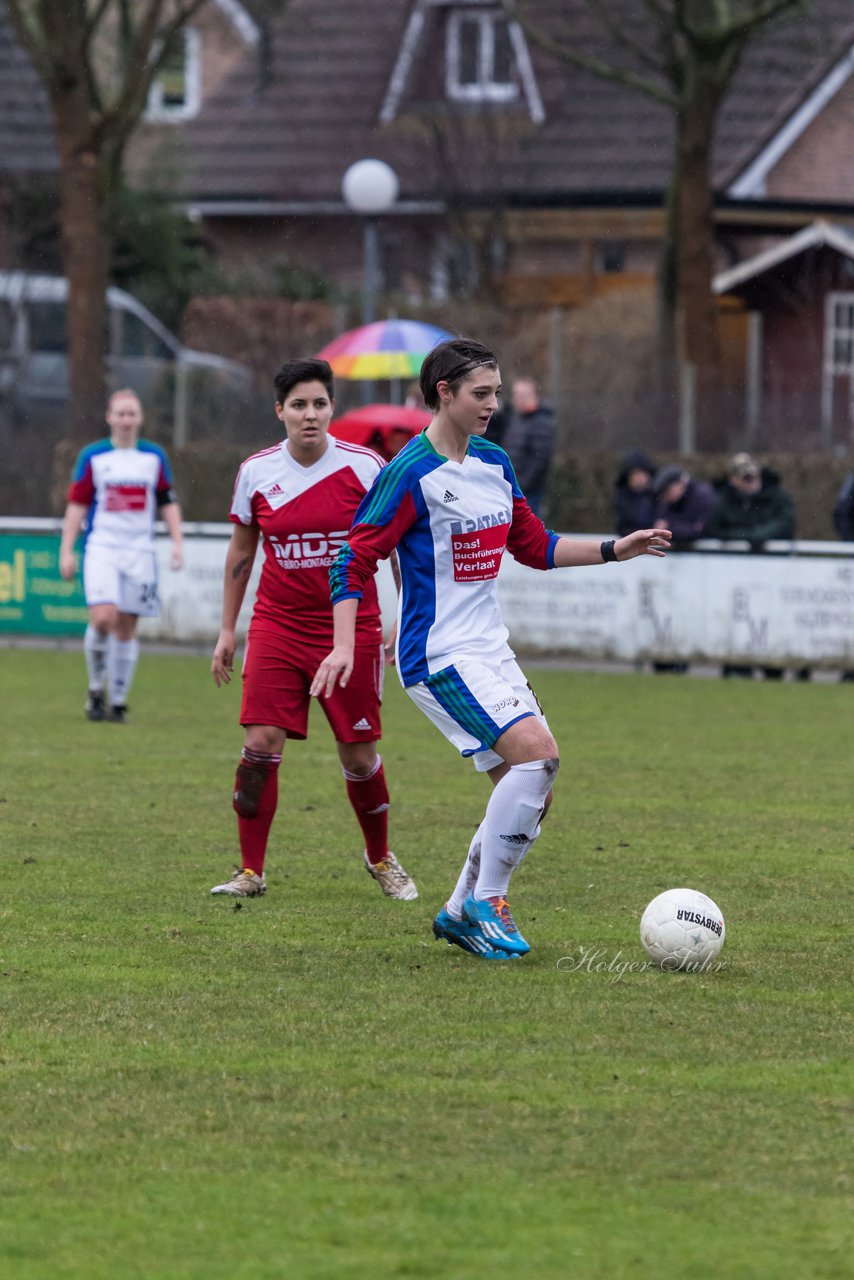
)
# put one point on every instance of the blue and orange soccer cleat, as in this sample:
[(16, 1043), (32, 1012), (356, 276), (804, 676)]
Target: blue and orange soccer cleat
[(467, 936), (491, 916)]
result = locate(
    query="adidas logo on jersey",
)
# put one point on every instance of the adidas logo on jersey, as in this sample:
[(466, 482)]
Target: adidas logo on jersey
[(276, 489), (450, 497), (362, 724)]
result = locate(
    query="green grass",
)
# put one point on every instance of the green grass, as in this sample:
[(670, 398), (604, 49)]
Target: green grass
[(310, 1087)]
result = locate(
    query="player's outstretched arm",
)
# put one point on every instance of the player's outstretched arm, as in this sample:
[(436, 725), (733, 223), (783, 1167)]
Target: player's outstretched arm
[(337, 666), (575, 552), (238, 568)]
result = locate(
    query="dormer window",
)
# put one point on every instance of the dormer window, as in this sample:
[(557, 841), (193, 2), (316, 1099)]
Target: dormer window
[(480, 59), (486, 59), (175, 92)]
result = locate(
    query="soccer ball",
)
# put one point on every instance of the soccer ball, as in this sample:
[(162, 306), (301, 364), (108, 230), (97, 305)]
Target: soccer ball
[(682, 929)]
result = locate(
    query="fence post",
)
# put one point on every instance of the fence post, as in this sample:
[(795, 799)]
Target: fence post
[(687, 407), (555, 381), (180, 423)]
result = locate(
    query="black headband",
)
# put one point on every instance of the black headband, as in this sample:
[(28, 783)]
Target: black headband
[(468, 366)]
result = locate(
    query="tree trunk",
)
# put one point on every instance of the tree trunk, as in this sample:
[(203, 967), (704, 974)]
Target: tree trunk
[(86, 260), (697, 338)]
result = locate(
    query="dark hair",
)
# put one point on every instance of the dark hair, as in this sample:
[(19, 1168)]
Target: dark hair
[(451, 362), (294, 371)]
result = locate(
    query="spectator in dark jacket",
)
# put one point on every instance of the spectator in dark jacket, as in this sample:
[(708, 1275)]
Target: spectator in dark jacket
[(498, 423), (634, 500), (528, 437), (683, 504), (843, 512), (752, 505)]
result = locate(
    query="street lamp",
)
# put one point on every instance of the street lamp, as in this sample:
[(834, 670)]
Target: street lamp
[(369, 188)]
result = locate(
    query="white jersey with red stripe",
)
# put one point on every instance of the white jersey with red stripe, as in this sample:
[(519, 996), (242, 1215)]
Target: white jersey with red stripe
[(304, 514), (450, 522), (123, 489)]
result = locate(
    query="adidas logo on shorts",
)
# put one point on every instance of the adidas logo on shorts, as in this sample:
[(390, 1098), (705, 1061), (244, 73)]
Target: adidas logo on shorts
[(362, 724), (450, 497)]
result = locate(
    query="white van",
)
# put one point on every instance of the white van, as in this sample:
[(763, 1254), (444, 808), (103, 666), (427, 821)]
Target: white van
[(140, 353)]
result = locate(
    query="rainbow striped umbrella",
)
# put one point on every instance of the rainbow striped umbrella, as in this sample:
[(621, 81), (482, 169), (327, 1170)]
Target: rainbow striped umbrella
[(383, 350)]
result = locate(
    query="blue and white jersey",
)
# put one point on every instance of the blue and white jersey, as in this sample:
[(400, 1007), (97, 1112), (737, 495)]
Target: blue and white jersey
[(450, 523), (123, 489)]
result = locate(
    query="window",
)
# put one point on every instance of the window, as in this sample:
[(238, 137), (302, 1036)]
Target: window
[(612, 255), (838, 362), (7, 326), (47, 327), (175, 92), (840, 335), (480, 60), (138, 340), (453, 269)]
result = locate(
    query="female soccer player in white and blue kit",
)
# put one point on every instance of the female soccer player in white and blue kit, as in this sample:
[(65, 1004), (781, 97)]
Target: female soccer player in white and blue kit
[(450, 504)]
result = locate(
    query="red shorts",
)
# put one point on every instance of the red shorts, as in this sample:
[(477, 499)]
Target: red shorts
[(277, 674)]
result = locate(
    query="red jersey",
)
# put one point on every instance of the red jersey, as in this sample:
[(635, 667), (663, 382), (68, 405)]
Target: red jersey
[(304, 514)]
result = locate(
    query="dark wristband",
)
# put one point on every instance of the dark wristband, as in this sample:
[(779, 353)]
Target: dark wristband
[(608, 551)]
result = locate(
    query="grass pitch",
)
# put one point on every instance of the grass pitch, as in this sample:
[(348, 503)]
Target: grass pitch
[(311, 1087)]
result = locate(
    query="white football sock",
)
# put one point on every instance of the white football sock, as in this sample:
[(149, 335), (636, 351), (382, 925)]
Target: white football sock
[(122, 657), (512, 823), (95, 652), (468, 877)]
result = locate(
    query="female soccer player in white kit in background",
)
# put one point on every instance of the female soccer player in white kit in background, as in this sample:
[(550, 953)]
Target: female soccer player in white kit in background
[(120, 486), (450, 504)]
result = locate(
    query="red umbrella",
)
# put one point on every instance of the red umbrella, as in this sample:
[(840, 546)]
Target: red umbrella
[(386, 428)]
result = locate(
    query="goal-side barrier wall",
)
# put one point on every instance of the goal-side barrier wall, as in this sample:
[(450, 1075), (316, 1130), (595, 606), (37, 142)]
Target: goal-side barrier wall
[(793, 605)]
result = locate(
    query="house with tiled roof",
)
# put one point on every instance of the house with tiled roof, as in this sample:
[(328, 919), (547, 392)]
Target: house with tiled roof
[(798, 295), (511, 164), (476, 118), (215, 43)]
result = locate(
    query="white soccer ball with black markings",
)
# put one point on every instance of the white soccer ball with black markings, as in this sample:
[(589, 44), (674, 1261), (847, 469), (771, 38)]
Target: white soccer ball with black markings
[(682, 929)]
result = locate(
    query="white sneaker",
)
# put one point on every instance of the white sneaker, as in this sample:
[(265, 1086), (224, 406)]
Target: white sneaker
[(243, 884), (392, 878)]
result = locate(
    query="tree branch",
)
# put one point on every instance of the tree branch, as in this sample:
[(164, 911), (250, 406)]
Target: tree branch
[(94, 20), (738, 30), (32, 38), (587, 62), (621, 37)]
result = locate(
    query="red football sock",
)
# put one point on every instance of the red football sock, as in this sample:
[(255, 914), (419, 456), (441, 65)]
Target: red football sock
[(369, 798), (256, 795)]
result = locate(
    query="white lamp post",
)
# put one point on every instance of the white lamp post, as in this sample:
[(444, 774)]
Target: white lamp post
[(369, 188)]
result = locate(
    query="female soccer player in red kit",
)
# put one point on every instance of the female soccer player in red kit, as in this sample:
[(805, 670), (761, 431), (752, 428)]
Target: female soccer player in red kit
[(301, 495)]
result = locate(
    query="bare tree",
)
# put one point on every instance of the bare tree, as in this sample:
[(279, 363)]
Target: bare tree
[(97, 60), (683, 54)]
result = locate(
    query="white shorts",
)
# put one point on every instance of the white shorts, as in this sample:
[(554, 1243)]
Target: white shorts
[(472, 704), (125, 578)]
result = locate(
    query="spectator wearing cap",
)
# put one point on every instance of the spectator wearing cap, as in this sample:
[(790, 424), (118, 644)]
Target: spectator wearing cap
[(634, 500), (752, 505), (683, 504)]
